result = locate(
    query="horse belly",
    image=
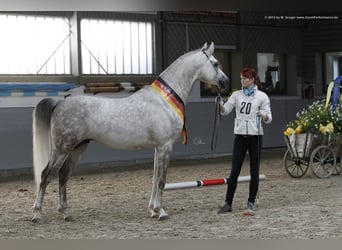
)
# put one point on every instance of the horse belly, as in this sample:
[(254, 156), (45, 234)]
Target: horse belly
[(133, 135), (126, 139)]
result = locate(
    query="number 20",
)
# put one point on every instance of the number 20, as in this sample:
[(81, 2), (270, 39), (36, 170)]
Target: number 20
[(245, 108)]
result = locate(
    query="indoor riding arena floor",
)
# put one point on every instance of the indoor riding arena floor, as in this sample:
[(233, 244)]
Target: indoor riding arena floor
[(112, 204)]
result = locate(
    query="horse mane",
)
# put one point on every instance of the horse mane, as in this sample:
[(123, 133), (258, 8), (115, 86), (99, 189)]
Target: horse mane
[(184, 55)]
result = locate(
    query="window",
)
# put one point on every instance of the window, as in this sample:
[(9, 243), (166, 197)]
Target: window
[(333, 66), (116, 47), (35, 45), (270, 73)]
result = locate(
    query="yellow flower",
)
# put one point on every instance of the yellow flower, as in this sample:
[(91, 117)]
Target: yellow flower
[(289, 131), (330, 127), (322, 129), (298, 130)]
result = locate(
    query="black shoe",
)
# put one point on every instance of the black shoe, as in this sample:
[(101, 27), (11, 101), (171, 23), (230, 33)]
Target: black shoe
[(250, 205), (225, 208)]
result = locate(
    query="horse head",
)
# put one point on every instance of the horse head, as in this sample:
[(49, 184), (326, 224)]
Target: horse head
[(211, 72)]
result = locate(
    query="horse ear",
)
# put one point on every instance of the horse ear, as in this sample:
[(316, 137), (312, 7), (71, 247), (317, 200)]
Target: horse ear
[(205, 46), (211, 48)]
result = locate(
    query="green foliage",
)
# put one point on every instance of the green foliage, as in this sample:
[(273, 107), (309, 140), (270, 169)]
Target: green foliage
[(316, 117)]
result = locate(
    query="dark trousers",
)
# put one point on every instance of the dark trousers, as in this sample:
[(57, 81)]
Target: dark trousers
[(242, 144)]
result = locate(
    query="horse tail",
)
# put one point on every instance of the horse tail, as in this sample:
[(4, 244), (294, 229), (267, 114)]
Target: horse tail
[(42, 136)]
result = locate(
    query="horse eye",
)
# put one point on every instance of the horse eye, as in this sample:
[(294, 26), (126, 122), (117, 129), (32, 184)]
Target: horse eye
[(217, 64)]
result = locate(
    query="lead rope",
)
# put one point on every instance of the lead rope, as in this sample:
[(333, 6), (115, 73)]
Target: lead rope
[(217, 119), (259, 124)]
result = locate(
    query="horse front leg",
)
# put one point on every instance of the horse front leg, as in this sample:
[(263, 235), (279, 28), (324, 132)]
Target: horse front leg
[(154, 214), (161, 163)]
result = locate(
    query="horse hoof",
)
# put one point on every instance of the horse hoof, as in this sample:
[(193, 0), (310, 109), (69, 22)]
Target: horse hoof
[(68, 218), (36, 217), (165, 217), (67, 213), (36, 220), (154, 214)]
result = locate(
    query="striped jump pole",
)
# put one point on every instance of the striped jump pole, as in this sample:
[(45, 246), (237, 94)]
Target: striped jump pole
[(204, 183)]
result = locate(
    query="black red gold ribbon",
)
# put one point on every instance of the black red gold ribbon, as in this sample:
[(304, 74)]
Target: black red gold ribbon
[(176, 103)]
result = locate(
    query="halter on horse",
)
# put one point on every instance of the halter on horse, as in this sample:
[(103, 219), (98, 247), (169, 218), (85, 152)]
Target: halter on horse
[(151, 117)]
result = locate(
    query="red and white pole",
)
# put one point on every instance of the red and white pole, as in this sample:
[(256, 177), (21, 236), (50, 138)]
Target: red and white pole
[(204, 183)]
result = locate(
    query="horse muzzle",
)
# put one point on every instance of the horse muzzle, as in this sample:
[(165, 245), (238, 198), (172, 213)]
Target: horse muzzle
[(224, 83)]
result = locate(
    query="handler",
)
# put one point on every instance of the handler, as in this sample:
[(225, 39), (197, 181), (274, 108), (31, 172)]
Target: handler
[(251, 106)]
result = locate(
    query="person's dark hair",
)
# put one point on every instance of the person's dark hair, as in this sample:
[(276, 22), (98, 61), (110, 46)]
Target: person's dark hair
[(251, 73)]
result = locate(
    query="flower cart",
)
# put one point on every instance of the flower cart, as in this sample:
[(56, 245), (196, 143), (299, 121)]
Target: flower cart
[(310, 150), (312, 144)]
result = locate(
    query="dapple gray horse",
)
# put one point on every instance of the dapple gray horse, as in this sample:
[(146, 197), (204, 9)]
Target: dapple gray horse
[(152, 117)]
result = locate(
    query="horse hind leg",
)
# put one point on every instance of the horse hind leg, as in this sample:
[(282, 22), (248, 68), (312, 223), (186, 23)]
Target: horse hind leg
[(161, 162), (38, 204), (55, 162), (63, 177)]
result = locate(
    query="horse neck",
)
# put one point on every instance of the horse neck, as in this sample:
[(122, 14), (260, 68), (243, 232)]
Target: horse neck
[(182, 74)]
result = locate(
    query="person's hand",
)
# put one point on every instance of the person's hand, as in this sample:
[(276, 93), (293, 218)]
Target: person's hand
[(219, 100), (263, 114)]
